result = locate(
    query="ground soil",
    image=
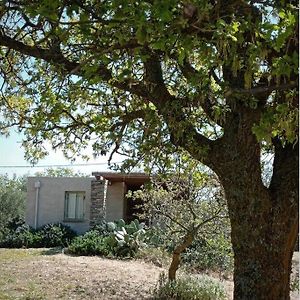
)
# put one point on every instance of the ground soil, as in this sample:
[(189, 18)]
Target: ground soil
[(60, 276), (46, 274)]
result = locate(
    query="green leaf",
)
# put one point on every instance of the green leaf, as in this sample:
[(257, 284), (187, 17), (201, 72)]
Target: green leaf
[(282, 14), (141, 35)]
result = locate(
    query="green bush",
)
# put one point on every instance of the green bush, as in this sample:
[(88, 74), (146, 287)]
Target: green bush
[(92, 243), (22, 236), (214, 253), (17, 235), (104, 228), (189, 288), (54, 235), (14, 223), (209, 252), (294, 283), (112, 238)]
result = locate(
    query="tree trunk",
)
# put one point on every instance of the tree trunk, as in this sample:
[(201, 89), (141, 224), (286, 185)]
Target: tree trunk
[(264, 220), (264, 224), (263, 249), (265, 275), (187, 241)]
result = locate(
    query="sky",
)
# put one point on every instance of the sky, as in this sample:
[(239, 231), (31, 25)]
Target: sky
[(12, 158)]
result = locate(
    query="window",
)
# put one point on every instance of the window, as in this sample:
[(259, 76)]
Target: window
[(74, 206)]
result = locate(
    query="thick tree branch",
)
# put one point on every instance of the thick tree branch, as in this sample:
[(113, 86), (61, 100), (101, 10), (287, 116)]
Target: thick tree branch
[(264, 89), (128, 117), (55, 57), (206, 102), (46, 54), (286, 161), (170, 108)]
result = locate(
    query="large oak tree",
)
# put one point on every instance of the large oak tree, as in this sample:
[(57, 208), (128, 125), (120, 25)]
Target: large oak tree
[(216, 78)]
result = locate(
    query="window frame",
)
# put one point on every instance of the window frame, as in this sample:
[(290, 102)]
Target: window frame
[(66, 203)]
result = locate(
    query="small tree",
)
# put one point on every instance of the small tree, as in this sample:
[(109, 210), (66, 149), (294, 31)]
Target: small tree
[(12, 198), (184, 209)]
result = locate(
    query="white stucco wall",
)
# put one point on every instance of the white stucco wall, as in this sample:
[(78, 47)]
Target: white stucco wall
[(115, 201), (52, 199)]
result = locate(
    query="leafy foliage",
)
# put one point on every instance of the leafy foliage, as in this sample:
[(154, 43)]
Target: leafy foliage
[(91, 243), (22, 236), (112, 238), (56, 235), (18, 234), (187, 288), (96, 81), (179, 204), (294, 285), (183, 210), (213, 252), (12, 199)]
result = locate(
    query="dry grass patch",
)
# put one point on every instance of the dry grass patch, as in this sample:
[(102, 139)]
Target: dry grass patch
[(36, 274), (33, 274)]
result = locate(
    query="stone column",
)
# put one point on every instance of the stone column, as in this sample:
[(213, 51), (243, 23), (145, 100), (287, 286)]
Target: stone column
[(97, 213)]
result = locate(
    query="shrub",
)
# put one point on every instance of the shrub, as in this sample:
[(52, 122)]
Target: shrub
[(207, 252), (189, 288), (22, 236), (104, 228), (54, 235), (155, 255), (112, 238), (294, 280), (14, 223), (92, 243), (17, 234), (214, 253), (294, 285)]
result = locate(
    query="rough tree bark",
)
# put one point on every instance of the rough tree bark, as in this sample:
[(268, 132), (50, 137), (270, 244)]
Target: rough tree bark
[(262, 252), (264, 221)]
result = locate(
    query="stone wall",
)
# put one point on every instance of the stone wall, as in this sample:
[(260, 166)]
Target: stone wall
[(97, 212)]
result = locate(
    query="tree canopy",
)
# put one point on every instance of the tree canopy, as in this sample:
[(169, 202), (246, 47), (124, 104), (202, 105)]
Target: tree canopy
[(131, 76)]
